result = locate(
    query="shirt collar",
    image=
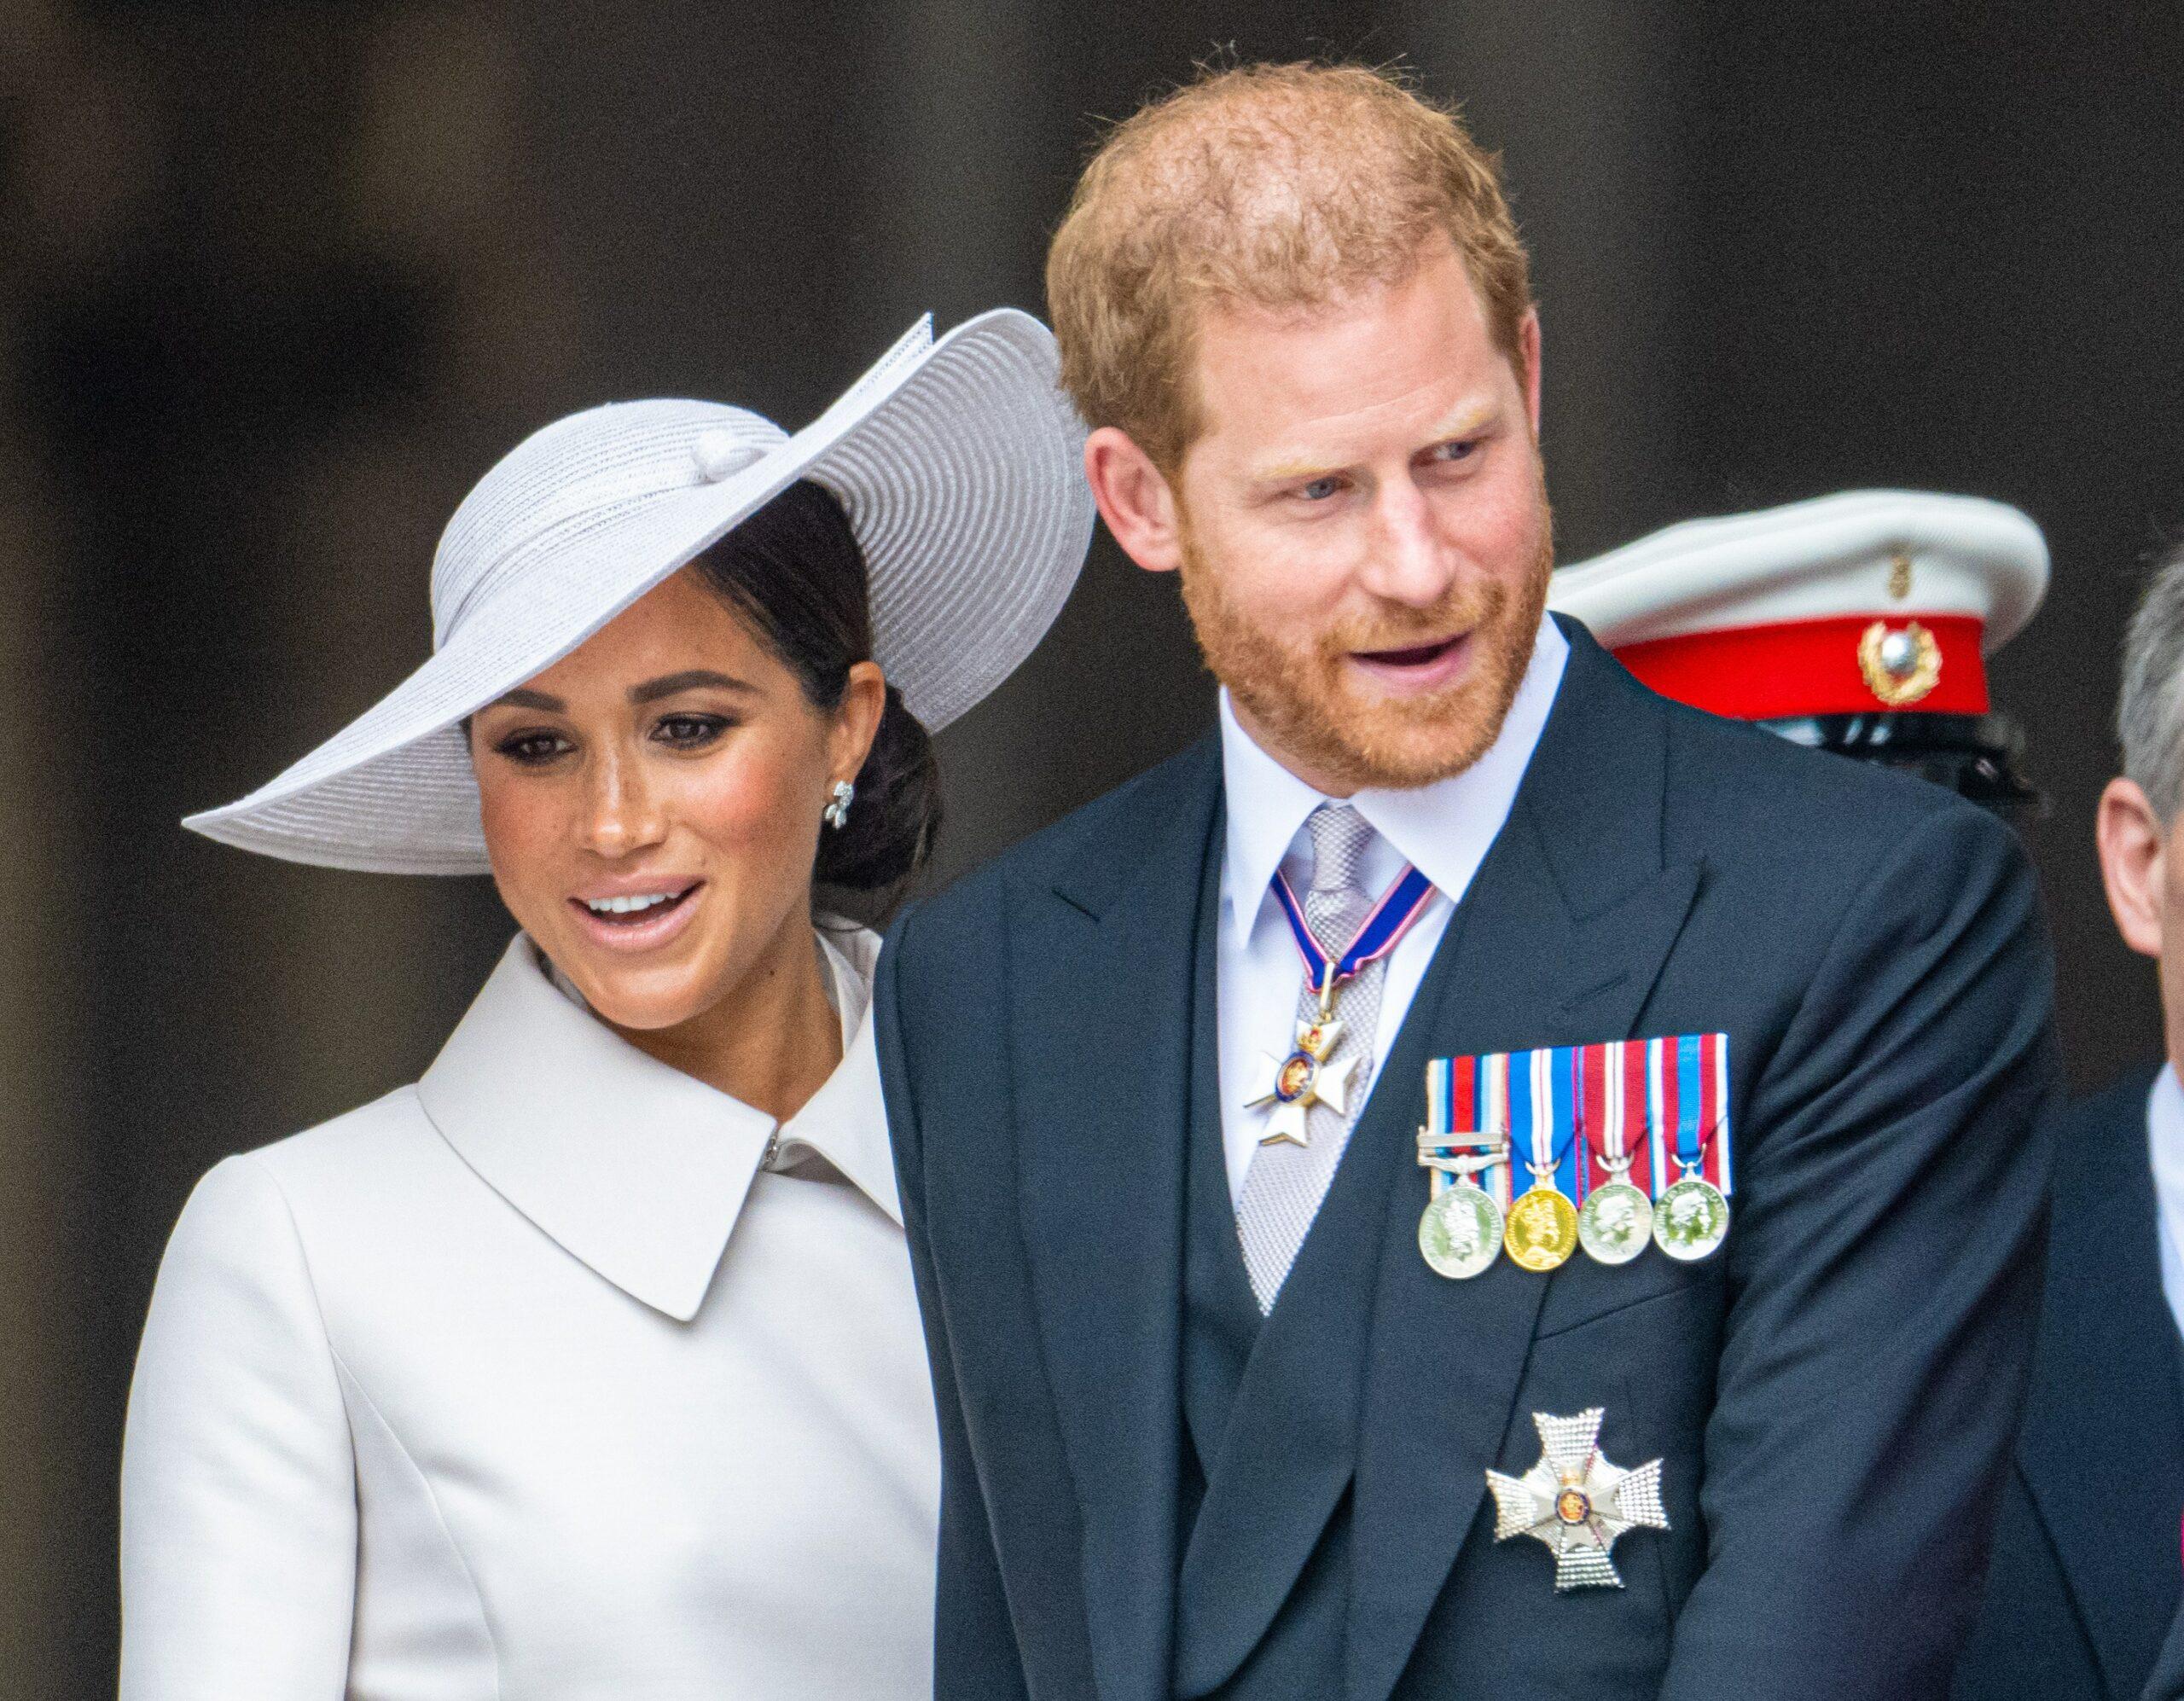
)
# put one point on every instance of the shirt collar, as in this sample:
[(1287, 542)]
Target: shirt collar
[(1444, 829), (2166, 1138), (636, 1169)]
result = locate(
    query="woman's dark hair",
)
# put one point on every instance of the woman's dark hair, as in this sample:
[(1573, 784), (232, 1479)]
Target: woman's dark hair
[(795, 571)]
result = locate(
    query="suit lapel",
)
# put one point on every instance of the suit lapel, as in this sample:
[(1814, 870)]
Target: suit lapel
[(1103, 967), (2105, 1405), (1558, 941)]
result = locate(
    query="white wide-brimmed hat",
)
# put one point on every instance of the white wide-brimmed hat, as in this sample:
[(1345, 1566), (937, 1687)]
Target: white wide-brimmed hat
[(956, 460)]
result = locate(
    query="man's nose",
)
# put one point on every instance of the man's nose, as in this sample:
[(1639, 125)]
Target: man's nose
[(1407, 562)]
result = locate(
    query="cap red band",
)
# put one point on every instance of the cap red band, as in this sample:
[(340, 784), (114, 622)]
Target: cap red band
[(1814, 667)]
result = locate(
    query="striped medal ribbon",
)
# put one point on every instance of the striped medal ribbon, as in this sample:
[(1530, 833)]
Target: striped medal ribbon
[(1459, 1233), (1543, 1230), (1688, 1083), (1616, 1220), (1304, 1075)]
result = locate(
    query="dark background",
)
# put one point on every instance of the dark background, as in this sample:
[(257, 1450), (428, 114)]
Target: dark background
[(278, 283)]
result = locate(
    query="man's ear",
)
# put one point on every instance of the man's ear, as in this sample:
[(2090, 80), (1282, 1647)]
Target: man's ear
[(1134, 499), (2134, 855), (1528, 365)]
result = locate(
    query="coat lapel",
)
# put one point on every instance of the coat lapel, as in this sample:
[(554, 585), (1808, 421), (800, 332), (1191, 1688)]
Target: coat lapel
[(634, 1167), (1103, 976), (1559, 942), (2106, 1404)]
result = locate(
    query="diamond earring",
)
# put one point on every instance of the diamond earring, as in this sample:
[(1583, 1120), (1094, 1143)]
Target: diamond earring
[(837, 814)]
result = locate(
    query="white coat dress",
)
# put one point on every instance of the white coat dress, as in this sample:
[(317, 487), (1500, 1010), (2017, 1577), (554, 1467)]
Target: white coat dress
[(527, 1382)]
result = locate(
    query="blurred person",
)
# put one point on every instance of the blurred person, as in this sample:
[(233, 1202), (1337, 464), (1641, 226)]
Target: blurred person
[(1859, 622), (1223, 1414), (589, 1365), (2087, 1579)]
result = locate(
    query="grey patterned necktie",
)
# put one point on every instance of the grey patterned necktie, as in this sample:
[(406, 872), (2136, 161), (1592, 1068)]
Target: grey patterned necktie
[(1285, 1184)]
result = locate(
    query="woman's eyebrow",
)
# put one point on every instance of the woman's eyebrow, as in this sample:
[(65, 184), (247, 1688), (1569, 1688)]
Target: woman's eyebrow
[(522, 697), (691, 679)]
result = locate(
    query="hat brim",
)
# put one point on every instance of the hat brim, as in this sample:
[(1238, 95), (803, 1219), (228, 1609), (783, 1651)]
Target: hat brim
[(1985, 559), (959, 465)]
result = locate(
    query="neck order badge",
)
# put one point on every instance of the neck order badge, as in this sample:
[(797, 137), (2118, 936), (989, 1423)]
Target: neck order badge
[(1303, 1077), (1602, 1125)]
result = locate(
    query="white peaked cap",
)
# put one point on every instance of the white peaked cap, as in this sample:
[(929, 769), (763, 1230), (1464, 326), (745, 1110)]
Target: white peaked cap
[(957, 462), (1831, 557)]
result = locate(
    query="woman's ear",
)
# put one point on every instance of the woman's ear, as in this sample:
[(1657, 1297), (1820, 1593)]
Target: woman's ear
[(856, 720), (1136, 499), (2134, 858)]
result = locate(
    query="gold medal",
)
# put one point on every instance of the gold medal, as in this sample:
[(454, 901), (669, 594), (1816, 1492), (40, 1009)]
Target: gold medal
[(1543, 1230)]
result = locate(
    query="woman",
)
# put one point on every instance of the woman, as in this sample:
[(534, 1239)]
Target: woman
[(589, 1365)]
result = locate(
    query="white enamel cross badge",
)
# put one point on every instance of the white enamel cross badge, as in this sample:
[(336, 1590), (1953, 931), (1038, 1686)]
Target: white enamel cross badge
[(1301, 1080), (1577, 1502)]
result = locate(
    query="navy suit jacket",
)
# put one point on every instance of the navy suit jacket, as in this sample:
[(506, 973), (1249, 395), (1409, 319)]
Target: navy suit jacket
[(1833, 1394), (2086, 1577)]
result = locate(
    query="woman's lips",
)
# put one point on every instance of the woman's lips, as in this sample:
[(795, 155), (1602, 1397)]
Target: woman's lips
[(1425, 667), (641, 930)]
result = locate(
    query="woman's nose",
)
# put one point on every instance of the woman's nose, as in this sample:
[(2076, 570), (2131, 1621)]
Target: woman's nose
[(620, 815)]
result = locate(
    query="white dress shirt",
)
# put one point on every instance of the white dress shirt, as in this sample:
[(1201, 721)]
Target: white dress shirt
[(1443, 830), (528, 1381), (2165, 1143)]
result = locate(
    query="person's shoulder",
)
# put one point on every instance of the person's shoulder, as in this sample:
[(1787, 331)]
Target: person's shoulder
[(1739, 795), (335, 1166), (2102, 1140), (1105, 832)]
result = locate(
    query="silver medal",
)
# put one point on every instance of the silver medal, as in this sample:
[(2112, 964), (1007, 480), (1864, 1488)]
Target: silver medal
[(1460, 1233), (1691, 1219), (1615, 1223)]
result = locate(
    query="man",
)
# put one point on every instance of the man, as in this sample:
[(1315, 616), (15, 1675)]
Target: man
[(2086, 1578), (1210, 1423)]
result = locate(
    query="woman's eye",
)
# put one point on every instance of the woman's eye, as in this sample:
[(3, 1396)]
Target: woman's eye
[(688, 732), (533, 748)]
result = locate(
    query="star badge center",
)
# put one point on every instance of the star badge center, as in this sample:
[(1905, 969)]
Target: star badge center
[(1576, 1502)]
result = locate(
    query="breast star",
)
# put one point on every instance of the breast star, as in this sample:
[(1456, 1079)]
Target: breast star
[(1577, 1502), (1301, 1079)]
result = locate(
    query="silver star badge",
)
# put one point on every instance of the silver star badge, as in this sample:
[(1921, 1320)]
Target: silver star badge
[(1577, 1502), (1304, 1078)]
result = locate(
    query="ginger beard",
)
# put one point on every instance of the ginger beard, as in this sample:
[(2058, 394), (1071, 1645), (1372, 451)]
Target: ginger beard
[(1311, 701)]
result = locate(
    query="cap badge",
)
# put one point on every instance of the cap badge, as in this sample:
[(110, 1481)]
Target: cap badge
[(1900, 666)]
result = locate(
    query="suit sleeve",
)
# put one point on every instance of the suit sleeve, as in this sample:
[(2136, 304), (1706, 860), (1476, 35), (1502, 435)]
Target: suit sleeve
[(2166, 1683), (975, 1656), (1885, 1270), (238, 1490)]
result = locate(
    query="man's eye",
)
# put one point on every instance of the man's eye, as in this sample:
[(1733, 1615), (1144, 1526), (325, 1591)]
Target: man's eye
[(686, 732), (1320, 488), (534, 748), (1457, 451)]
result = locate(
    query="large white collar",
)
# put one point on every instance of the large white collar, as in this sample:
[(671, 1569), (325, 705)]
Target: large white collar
[(633, 1167), (1445, 829)]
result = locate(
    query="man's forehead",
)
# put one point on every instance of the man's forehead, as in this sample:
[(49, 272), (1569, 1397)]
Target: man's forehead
[(1414, 358)]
